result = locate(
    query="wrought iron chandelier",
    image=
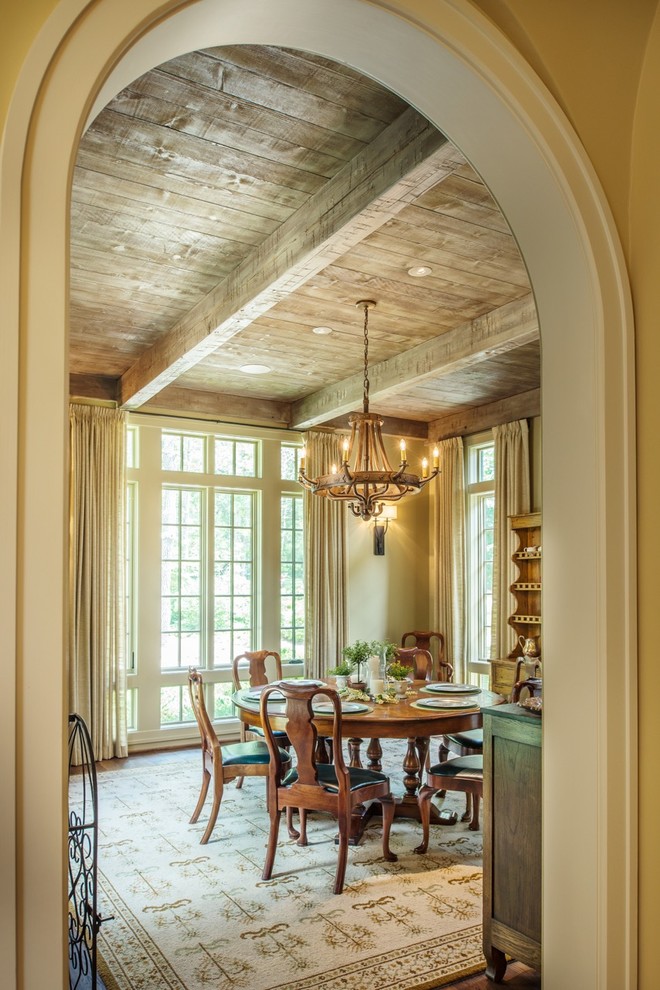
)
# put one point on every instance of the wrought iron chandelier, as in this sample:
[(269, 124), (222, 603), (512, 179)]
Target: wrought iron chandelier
[(368, 481)]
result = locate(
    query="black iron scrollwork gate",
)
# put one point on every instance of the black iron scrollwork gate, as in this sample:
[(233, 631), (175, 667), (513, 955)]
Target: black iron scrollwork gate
[(84, 920)]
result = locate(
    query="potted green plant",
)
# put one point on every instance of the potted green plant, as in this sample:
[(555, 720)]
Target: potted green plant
[(341, 673), (398, 672), (357, 654)]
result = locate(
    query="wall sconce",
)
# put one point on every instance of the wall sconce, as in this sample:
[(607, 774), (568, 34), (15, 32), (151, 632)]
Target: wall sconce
[(381, 525)]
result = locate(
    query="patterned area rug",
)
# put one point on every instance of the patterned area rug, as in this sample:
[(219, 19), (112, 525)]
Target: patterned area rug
[(191, 917)]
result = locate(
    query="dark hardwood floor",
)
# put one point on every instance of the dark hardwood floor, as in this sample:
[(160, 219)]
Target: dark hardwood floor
[(518, 977)]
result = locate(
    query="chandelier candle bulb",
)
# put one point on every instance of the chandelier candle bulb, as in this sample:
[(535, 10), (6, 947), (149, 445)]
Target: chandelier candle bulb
[(344, 448), (303, 455), (425, 467), (402, 445), (436, 458)]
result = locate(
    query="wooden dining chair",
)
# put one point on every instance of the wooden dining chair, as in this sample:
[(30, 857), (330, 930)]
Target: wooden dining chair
[(313, 786), (464, 773), (426, 639), (223, 763), (418, 660), (262, 667), (468, 743)]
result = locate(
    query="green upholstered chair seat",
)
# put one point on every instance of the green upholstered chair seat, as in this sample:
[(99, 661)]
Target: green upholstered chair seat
[(279, 734), (463, 766), (471, 739), (249, 752), (328, 777)]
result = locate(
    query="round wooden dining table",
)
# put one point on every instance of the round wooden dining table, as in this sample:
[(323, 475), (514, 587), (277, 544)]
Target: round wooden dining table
[(400, 720)]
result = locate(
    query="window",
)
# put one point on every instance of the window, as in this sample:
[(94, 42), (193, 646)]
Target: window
[(131, 571), (215, 558), (480, 454), (292, 598), (233, 628), (181, 578)]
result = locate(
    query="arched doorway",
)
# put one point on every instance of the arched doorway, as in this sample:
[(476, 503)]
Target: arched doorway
[(458, 71)]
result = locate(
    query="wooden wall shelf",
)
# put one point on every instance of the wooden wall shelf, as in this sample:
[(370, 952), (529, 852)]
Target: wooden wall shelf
[(526, 620)]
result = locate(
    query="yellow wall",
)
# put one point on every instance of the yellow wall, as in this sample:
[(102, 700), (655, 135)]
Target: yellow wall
[(20, 23), (645, 267)]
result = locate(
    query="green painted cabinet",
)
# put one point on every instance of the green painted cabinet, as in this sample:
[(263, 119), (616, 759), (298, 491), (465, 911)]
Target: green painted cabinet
[(512, 838)]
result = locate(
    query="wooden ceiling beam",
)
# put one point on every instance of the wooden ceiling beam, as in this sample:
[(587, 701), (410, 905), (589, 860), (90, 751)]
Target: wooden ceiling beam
[(525, 405), (220, 408), (504, 329), (406, 159)]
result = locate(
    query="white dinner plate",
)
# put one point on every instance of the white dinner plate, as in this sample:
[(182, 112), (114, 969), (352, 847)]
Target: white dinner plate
[(303, 683), (447, 687), (444, 703), (348, 707)]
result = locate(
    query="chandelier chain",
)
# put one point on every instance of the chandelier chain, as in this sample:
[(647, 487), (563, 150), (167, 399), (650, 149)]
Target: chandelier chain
[(365, 393)]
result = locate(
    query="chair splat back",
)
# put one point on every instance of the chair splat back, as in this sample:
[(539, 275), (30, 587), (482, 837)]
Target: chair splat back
[(426, 639), (314, 786), (420, 662), (210, 744), (257, 667)]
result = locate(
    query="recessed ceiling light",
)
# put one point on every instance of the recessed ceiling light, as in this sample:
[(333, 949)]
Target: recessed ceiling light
[(419, 271), (255, 369), (322, 331)]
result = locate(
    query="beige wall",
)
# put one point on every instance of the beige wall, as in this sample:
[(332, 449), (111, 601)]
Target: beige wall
[(591, 58), (390, 595), (645, 267)]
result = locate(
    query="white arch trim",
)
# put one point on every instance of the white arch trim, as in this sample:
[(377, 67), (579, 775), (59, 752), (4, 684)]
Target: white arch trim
[(452, 64)]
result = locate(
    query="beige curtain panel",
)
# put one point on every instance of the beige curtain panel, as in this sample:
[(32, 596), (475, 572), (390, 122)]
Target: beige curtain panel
[(97, 669), (448, 495), (326, 566), (512, 496)]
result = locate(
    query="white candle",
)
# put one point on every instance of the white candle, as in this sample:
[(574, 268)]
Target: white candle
[(377, 686)]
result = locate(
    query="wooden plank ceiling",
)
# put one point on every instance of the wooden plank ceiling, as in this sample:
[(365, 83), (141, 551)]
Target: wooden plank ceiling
[(230, 201)]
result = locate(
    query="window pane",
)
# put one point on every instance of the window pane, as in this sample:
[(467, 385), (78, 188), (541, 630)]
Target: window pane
[(222, 578), (242, 544), (222, 706), (170, 451), (169, 577), (287, 463), (242, 510), (487, 463), (190, 506), (245, 460), (171, 502), (290, 461), (223, 509), (224, 456), (242, 578), (193, 454)]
